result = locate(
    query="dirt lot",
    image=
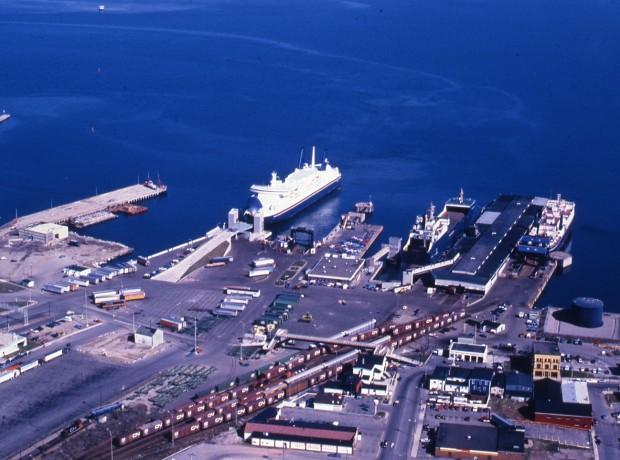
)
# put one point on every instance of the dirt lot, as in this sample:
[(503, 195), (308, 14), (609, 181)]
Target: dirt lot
[(43, 264), (118, 347)]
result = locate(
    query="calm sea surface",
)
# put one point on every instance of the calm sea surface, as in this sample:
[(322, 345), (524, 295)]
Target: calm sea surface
[(412, 99)]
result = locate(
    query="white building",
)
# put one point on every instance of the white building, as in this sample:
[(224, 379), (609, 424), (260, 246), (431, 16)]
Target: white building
[(467, 350), (10, 343), (149, 336), (45, 233), (328, 401)]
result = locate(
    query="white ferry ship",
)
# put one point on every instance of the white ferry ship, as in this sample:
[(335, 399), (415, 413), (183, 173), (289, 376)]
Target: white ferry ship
[(281, 199)]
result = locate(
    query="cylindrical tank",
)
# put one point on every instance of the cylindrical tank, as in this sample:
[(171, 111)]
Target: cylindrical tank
[(588, 312)]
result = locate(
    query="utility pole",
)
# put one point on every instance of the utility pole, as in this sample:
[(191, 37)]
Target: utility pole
[(172, 428), (26, 316), (195, 335), (133, 322)]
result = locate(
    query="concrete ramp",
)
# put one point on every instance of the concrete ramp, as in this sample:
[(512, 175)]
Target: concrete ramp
[(179, 271)]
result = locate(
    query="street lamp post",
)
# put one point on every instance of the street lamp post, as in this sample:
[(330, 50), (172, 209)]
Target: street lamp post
[(111, 444)]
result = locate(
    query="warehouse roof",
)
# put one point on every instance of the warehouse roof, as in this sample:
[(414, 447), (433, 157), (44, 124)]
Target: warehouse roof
[(328, 398), (575, 392), (296, 438), (481, 438), (313, 430), (548, 400), (546, 348), (468, 347)]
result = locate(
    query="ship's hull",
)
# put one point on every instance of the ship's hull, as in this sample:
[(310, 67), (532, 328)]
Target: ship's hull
[(302, 204), (419, 252)]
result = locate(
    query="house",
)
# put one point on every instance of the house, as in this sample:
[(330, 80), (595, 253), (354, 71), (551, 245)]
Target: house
[(562, 403), (518, 386), (479, 441), (148, 336), (546, 360), (370, 368), (372, 371), (479, 383), (463, 386)]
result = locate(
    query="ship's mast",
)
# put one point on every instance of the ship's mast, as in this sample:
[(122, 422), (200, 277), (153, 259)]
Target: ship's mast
[(462, 196), (313, 156)]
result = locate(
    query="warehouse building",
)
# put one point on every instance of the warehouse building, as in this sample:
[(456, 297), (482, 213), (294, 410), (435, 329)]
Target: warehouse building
[(465, 349), (11, 343), (149, 336), (299, 435), (340, 271), (44, 233), (458, 440), (546, 360), (328, 401), (565, 404), (500, 227)]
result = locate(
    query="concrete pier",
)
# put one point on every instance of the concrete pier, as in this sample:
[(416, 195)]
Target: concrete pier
[(63, 214)]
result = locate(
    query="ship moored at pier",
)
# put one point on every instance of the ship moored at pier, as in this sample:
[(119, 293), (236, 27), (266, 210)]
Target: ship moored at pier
[(282, 199)]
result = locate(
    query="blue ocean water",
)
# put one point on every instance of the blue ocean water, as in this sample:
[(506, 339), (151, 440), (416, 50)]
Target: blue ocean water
[(412, 99)]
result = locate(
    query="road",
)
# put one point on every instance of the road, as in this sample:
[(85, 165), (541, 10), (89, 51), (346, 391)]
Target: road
[(402, 419), (606, 429)]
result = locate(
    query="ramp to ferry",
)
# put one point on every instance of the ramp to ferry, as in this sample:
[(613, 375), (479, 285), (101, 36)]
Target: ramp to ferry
[(179, 271)]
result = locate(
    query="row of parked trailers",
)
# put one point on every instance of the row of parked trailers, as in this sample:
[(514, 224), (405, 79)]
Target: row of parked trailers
[(236, 300), (107, 272), (15, 370), (280, 381), (118, 295)]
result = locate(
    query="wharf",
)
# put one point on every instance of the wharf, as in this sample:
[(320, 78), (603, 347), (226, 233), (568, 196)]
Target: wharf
[(69, 212)]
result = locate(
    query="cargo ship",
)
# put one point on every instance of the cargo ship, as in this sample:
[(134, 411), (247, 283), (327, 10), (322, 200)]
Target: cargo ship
[(433, 236), (4, 116), (282, 199), (552, 230)]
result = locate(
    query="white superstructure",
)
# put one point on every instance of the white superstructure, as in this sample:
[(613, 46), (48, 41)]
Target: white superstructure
[(281, 199)]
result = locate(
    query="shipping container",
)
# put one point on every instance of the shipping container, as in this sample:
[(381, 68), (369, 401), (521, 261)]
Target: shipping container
[(263, 262), (237, 299), (232, 306), (222, 312), (256, 272), (242, 290), (29, 366), (9, 375), (52, 355)]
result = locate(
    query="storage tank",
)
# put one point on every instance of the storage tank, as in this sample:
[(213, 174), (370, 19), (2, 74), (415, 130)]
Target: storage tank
[(587, 312)]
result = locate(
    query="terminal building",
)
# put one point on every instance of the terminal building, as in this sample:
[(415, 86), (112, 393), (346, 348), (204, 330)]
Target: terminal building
[(44, 233), (498, 229), (11, 343)]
